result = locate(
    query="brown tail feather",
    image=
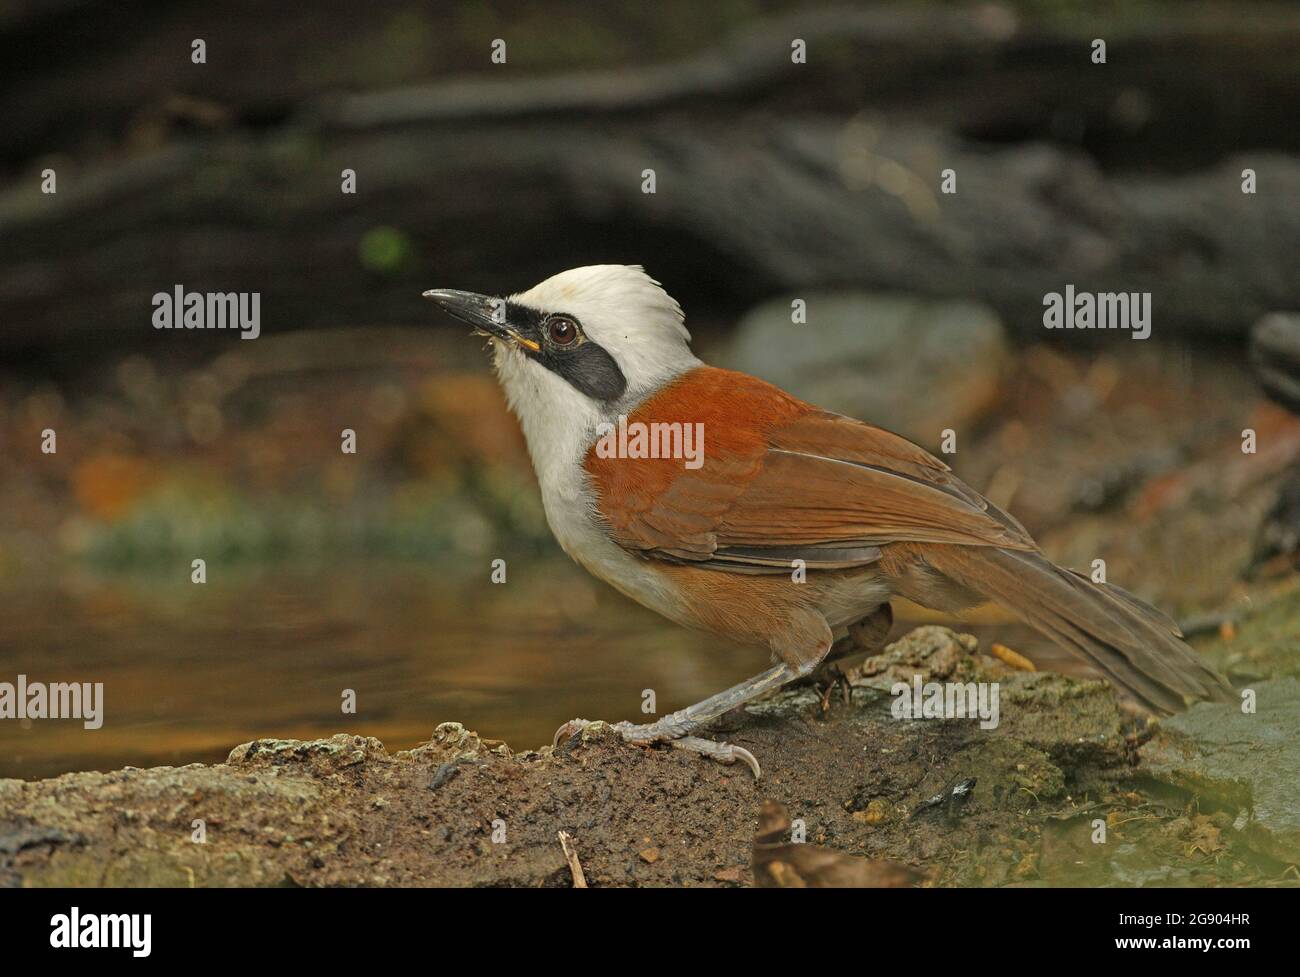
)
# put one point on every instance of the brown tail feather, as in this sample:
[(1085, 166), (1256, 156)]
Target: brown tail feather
[(1131, 642)]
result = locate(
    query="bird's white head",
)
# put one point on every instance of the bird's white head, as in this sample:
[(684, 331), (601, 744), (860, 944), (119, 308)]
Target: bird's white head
[(577, 350)]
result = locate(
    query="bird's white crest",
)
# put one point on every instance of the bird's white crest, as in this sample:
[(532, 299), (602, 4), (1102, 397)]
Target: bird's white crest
[(627, 312), (629, 315)]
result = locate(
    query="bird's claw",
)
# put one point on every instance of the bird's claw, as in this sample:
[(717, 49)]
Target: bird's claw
[(724, 753), (569, 730)]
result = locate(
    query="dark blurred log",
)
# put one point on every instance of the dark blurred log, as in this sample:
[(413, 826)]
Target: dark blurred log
[(1183, 85), (492, 185), (743, 209)]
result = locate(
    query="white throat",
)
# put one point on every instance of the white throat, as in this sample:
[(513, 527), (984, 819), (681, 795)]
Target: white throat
[(560, 424)]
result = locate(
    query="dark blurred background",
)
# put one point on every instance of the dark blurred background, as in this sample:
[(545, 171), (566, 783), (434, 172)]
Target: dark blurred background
[(774, 180)]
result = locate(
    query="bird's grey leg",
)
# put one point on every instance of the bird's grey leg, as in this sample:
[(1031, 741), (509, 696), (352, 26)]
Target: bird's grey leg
[(676, 728), (686, 721)]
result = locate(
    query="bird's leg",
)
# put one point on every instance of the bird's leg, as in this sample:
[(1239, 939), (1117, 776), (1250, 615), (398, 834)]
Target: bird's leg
[(686, 721), (869, 634), (676, 728), (834, 678), (865, 636)]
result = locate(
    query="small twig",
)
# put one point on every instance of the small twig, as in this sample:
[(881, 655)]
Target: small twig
[(1012, 658), (1204, 623), (571, 856)]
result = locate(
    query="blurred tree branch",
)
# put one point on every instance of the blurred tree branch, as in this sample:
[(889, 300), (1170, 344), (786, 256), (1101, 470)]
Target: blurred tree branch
[(770, 177)]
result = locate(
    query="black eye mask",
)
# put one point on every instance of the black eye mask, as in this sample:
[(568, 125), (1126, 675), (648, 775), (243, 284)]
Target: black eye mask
[(586, 366)]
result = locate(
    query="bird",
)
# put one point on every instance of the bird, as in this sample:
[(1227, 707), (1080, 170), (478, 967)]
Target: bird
[(785, 526)]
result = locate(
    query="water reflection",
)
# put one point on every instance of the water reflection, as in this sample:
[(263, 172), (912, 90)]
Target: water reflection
[(189, 671)]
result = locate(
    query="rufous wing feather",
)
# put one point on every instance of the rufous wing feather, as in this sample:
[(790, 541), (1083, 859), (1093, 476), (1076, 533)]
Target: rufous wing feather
[(782, 480)]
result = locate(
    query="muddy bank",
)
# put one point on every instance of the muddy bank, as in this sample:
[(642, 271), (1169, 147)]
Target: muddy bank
[(460, 810)]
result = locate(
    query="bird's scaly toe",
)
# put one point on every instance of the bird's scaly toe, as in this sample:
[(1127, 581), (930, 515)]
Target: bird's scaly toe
[(669, 730), (569, 730), (724, 753)]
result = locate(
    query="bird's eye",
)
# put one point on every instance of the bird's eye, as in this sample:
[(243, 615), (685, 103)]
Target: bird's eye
[(561, 331)]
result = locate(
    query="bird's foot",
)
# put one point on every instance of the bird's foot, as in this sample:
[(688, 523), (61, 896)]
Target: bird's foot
[(668, 730), (677, 729), (834, 679)]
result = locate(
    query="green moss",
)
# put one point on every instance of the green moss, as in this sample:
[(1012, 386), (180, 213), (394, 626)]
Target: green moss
[(189, 517), (386, 251), (1266, 643)]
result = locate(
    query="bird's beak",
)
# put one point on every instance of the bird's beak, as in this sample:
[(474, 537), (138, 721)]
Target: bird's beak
[(487, 314)]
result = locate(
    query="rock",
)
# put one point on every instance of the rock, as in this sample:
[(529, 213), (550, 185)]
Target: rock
[(339, 750), (1075, 723), (873, 352), (934, 653), (1245, 763)]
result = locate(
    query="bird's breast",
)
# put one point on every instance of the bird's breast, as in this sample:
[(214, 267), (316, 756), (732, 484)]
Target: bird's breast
[(572, 515)]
